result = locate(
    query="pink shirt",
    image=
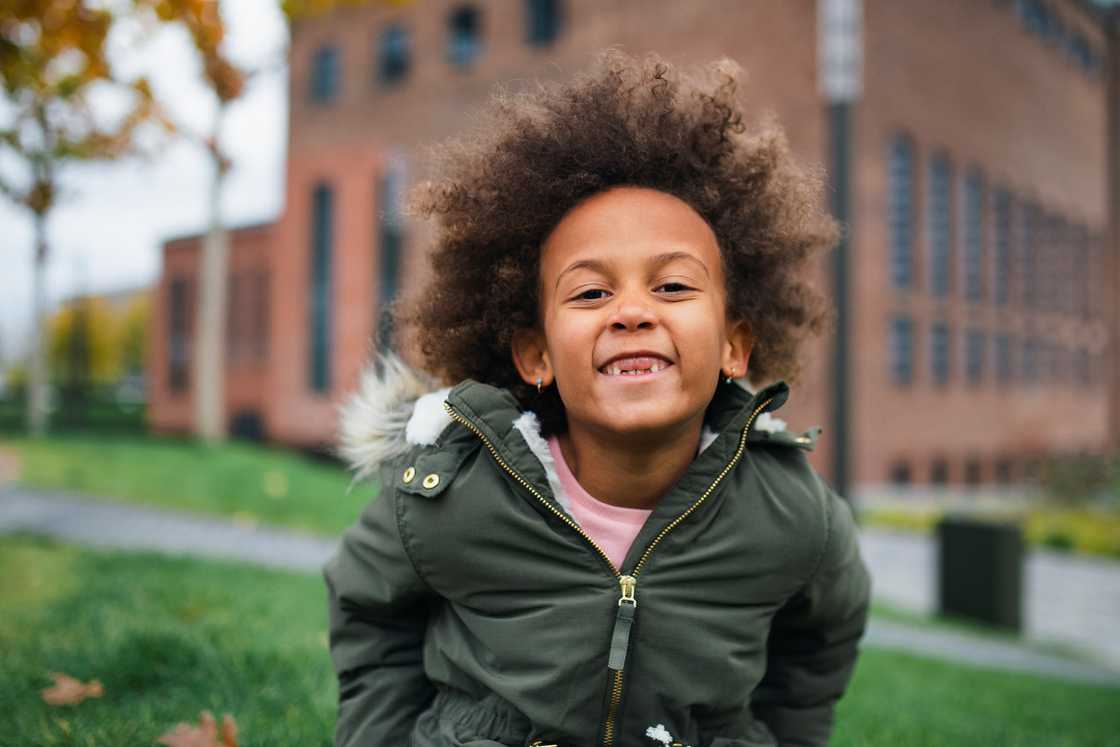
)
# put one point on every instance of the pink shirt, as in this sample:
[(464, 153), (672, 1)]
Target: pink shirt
[(612, 527)]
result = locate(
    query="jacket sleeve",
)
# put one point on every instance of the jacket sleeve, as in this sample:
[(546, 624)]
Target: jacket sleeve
[(378, 611), (812, 648)]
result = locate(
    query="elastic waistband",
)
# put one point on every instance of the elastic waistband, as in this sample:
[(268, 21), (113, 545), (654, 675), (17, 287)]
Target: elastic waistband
[(491, 717)]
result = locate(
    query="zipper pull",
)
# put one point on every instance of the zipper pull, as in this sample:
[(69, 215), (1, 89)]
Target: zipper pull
[(620, 637)]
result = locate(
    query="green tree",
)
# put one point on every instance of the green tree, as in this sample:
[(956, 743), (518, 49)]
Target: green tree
[(52, 59)]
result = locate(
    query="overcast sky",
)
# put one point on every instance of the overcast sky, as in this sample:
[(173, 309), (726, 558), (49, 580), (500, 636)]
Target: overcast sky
[(106, 234)]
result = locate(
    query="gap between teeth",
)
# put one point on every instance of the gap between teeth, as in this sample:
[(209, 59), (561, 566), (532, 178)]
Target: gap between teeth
[(616, 371)]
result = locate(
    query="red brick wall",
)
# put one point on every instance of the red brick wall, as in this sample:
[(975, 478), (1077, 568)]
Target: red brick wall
[(958, 74), (967, 77), (246, 374)]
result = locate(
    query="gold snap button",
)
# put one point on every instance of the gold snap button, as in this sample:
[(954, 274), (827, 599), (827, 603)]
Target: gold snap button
[(409, 474), (431, 480)]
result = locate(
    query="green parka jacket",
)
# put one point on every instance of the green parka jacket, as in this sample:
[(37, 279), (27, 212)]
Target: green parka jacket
[(467, 607)]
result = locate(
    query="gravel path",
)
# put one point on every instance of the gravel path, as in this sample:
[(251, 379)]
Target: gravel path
[(901, 567)]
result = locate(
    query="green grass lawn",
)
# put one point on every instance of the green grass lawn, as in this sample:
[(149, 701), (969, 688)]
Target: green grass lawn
[(239, 480), (170, 637)]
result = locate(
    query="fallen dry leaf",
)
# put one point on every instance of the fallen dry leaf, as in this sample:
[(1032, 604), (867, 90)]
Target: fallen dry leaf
[(69, 691), (203, 735)]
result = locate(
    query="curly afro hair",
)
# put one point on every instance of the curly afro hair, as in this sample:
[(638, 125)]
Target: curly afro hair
[(625, 121)]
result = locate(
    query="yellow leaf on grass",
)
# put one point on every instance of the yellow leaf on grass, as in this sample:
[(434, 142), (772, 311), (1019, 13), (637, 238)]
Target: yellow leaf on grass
[(204, 735), (70, 691)]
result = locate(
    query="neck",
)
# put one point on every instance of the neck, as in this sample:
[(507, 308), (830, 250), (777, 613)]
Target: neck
[(623, 471)]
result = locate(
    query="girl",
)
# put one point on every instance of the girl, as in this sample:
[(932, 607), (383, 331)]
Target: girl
[(596, 536)]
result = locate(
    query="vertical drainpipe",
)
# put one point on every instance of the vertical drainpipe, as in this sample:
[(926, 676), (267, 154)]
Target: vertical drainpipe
[(839, 77)]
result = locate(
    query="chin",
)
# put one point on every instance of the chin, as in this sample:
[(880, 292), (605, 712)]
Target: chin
[(648, 416)]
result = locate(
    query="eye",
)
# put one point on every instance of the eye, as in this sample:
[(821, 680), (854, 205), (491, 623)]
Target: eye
[(584, 297), (674, 287)]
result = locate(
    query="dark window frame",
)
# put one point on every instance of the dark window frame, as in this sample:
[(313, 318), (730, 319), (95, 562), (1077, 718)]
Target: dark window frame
[(901, 210), (393, 55), (325, 74), (972, 235), (465, 26), (319, 298), (939, 224), (544, 22), (901, 350), (941, 352)]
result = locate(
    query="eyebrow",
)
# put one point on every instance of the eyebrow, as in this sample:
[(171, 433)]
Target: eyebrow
[(657, 261)]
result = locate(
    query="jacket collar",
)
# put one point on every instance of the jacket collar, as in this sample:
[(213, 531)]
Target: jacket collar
[(397, 407)]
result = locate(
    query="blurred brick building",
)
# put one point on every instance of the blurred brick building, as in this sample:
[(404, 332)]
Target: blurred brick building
[(982, 275)]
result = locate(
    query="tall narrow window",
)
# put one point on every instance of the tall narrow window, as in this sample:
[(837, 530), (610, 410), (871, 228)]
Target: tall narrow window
[(1030, 359), (939, 224), (1082, 272), (1063, 253), (322, 240), (324, 74), (394, 55), (1081, 373), (464, 29), (972, 234), (543, 21), (235, 349), (1001, 261), (1004, 367), (902, 350), (1028, 270), (939, 471), (900, 210), (940, 352), (975, 342), (178, 337), (391, 240), (261, 313)]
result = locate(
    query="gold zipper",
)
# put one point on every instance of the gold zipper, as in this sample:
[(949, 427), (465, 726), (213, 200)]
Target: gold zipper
[(528, 485), (628, 583)]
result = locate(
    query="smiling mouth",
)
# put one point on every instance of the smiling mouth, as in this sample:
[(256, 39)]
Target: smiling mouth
[(635, 367)]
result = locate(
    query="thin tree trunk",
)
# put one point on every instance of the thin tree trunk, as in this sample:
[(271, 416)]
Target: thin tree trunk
[(209, 389), (37, 376)]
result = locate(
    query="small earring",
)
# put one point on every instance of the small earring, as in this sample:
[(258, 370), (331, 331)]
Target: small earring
[(730, 378), (539, 380)]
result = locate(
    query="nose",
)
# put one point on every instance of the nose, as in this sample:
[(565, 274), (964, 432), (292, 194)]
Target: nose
[(632, 314)]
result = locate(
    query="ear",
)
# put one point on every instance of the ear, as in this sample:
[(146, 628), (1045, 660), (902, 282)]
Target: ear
[(531, 356), (737, 349)]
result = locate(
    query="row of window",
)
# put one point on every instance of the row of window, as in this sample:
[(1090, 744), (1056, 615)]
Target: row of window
[(544, 21), (1009, 250), (1039, 19), (972, 471), (1004, 357), (247, 321)]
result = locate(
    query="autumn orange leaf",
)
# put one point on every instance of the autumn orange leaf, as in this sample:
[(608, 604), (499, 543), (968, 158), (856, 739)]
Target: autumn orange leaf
[(204, 735), (70, 691)]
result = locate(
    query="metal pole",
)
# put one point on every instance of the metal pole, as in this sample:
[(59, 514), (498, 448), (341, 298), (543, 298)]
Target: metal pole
[(840, 78), (839, 119)]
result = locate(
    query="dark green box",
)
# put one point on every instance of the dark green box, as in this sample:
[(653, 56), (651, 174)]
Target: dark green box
[(981, 571)]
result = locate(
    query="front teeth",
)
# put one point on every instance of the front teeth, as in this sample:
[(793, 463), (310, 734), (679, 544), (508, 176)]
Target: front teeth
[(616, 371)]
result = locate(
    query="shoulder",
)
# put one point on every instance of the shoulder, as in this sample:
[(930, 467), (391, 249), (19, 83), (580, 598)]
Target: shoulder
[(797, 500), (395, 417)]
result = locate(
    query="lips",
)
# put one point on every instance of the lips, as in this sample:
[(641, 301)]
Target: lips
[(635, 365)]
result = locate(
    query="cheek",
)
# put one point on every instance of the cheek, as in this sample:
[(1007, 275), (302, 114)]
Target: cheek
[(571, 343)]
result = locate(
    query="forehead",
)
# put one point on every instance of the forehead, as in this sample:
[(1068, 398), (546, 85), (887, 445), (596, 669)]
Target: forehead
[(629, 225)]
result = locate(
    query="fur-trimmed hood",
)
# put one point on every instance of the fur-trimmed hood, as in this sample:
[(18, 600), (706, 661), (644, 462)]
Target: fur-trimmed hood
[(397, 407)]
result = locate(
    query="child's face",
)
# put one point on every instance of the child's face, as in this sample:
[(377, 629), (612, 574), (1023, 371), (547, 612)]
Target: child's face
[(629, 270)]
